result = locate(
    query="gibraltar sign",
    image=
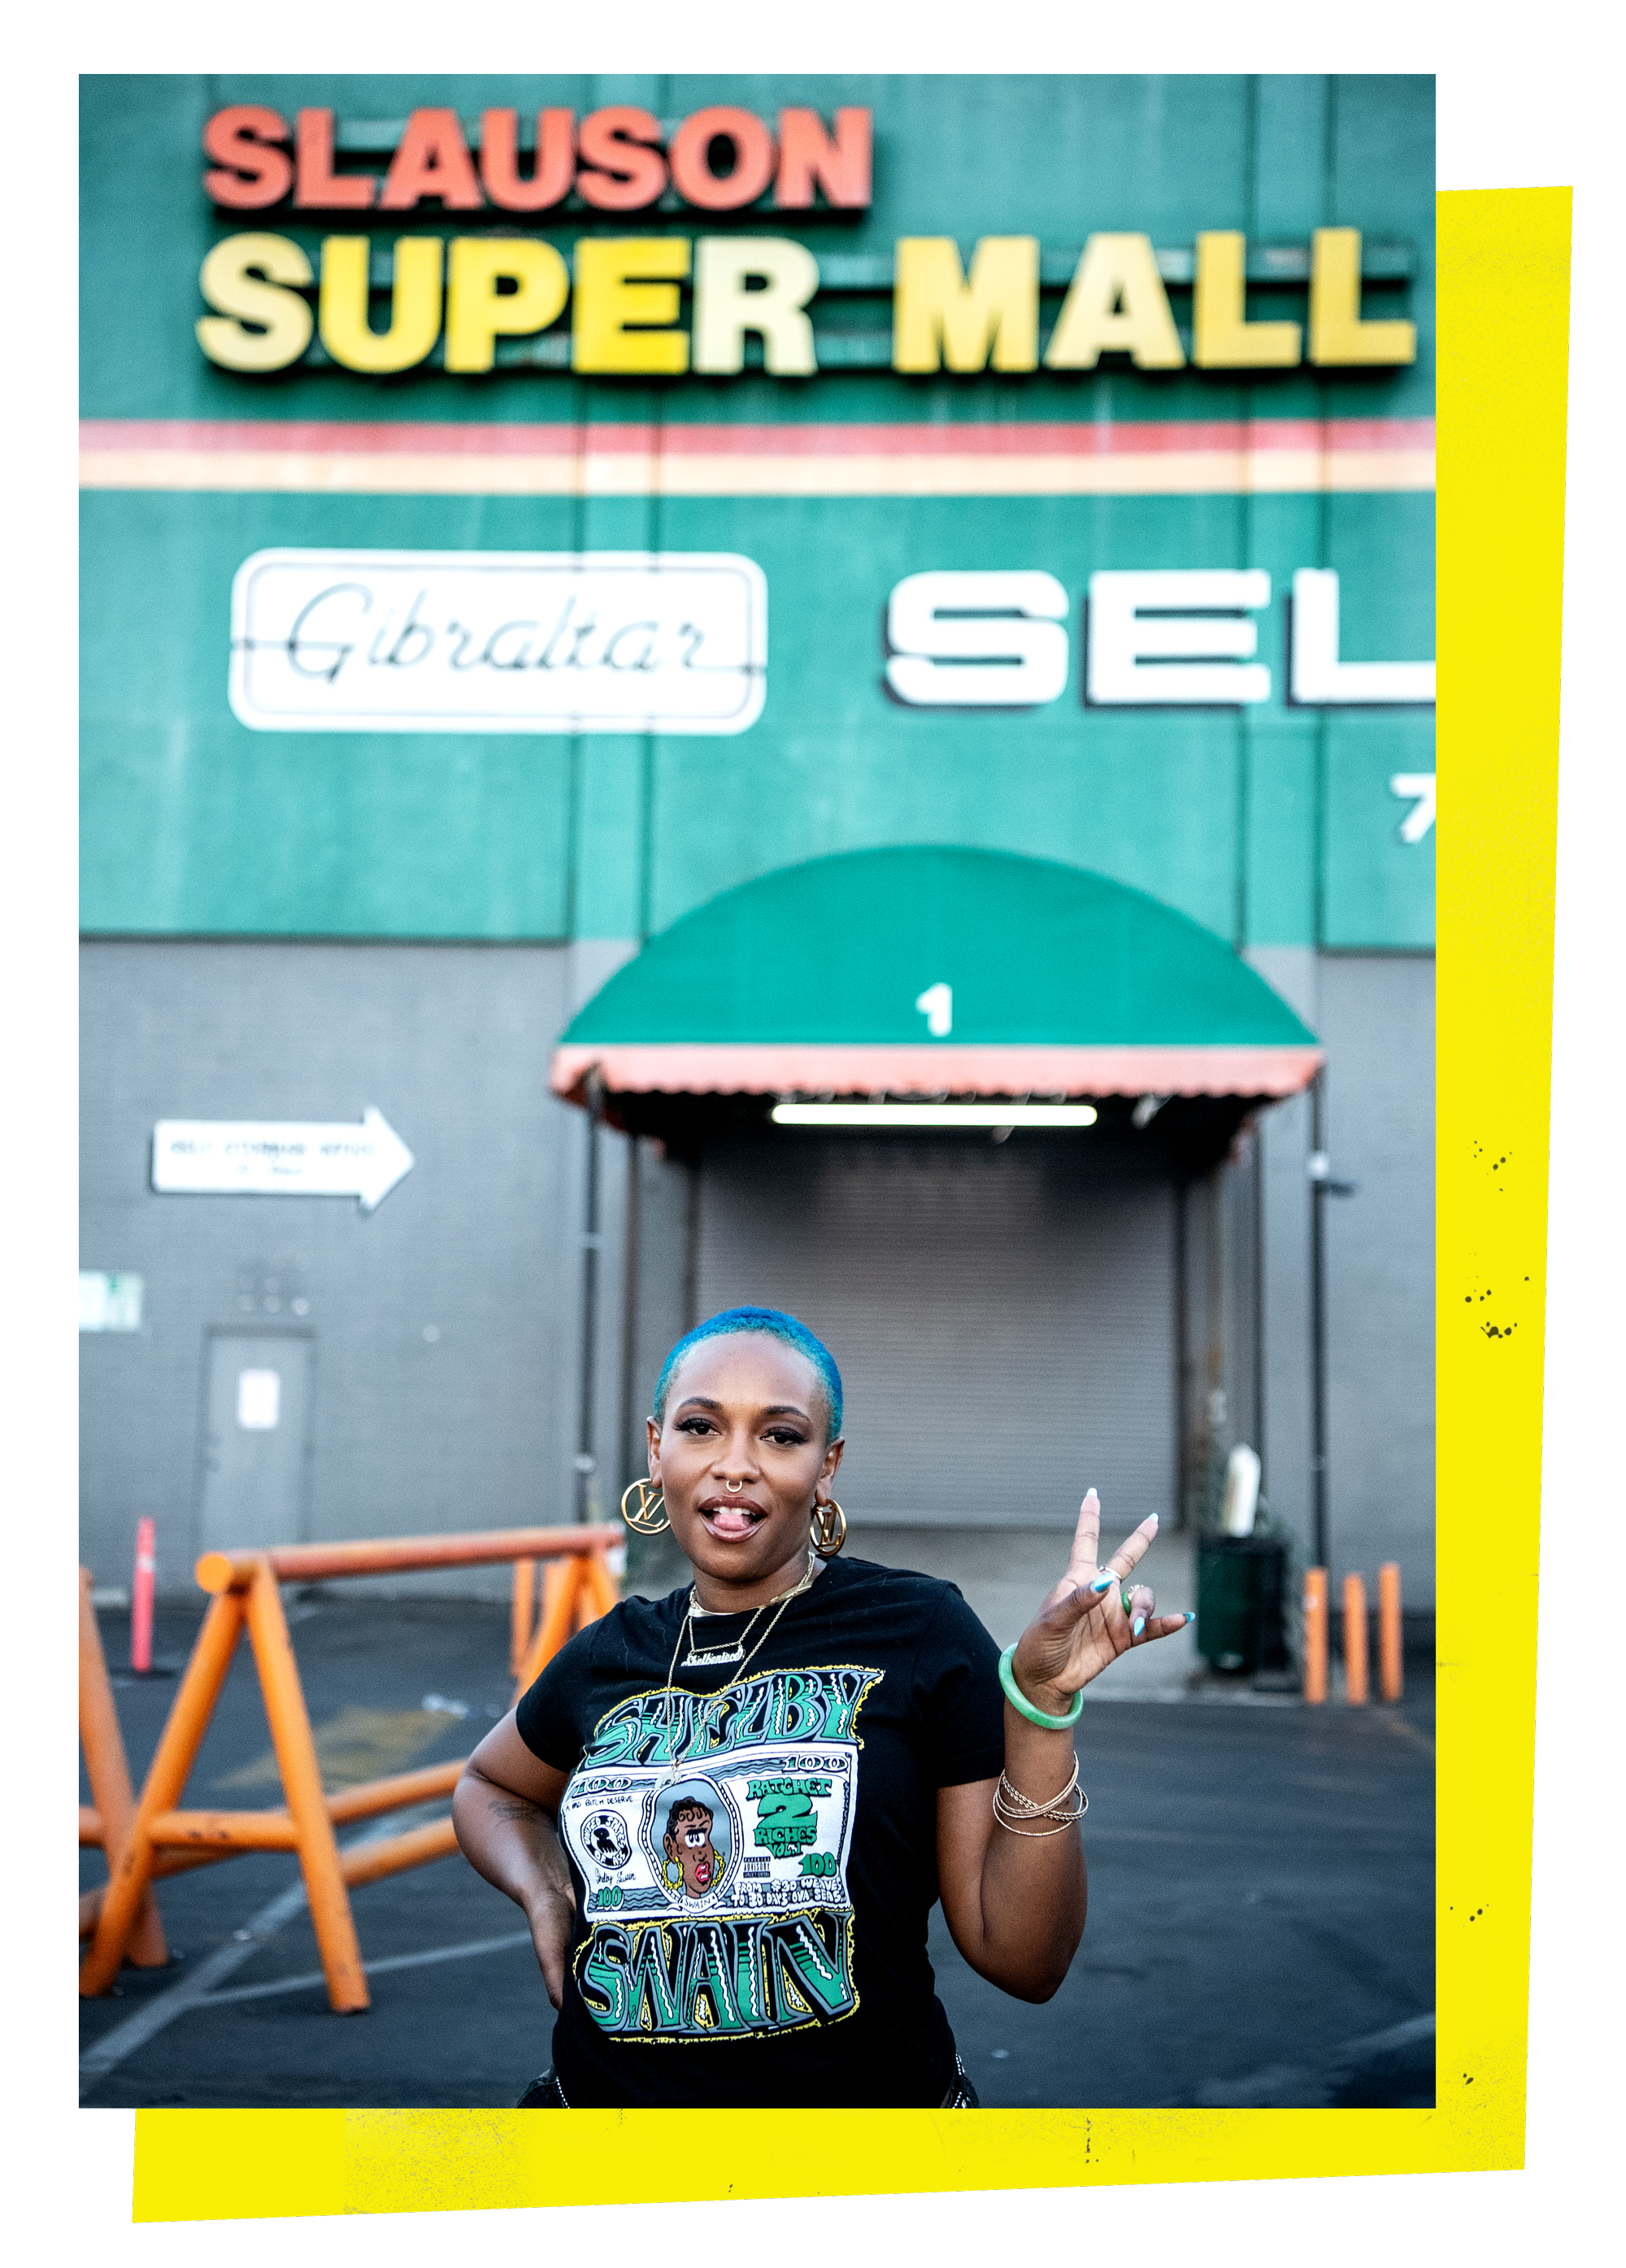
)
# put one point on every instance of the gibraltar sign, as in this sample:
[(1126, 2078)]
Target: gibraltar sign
[(327, 641)]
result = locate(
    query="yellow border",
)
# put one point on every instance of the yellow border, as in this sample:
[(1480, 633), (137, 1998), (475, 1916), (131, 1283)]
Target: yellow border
[(1503, 323)]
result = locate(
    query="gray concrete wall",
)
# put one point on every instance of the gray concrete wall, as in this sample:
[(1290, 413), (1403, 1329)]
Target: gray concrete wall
[(445, 1323), (1375, 1013), (1378, 1021)]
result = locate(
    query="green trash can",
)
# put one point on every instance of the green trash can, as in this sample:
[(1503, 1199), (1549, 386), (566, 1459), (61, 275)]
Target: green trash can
[(1240, 1582)]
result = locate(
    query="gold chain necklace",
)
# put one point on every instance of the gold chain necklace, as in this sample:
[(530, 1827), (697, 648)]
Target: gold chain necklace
[(719, 1657), (674, 1767)]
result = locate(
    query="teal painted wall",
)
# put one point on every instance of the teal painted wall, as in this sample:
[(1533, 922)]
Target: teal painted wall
[(1272, 826)]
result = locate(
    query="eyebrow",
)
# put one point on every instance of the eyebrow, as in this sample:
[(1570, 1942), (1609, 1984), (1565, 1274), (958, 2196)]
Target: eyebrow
[(774, 1409)]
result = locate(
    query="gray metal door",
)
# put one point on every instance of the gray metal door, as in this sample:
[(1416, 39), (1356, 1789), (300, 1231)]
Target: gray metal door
[(256, 1419), (1002, 1315)]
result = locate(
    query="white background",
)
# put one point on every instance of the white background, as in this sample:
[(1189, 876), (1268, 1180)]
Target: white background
[(1527, 97)]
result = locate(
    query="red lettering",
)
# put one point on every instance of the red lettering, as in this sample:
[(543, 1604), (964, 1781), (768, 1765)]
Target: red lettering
[(807, 155), (241, 139), (499, 160), (689, 155), (431, 160), (318, 185), (630, 175)]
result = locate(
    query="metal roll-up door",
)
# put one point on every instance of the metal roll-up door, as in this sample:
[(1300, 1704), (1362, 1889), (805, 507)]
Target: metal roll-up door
[(1002, 1315)]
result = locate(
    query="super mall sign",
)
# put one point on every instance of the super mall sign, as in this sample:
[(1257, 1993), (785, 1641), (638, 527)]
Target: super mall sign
[(664, 305)]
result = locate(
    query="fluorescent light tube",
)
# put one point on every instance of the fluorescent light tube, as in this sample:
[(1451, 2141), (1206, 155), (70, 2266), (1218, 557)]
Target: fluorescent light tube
[(934, 1114)]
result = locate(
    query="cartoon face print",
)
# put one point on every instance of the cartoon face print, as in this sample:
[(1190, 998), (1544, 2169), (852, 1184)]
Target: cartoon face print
[(690, 1856)]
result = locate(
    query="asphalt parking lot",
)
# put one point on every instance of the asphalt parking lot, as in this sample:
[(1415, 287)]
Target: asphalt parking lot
[(1261, 1926)]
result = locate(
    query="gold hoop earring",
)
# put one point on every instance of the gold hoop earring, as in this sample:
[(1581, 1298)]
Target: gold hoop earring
[(827, 1534), (644, 1521)]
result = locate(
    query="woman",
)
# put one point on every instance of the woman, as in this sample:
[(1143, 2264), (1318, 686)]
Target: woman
[(726, 1814)]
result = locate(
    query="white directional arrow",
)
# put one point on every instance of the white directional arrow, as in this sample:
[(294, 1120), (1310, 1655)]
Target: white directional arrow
[(261, 1158)]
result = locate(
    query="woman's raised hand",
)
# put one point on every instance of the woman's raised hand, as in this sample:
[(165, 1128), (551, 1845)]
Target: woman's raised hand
[(1094, 1614)]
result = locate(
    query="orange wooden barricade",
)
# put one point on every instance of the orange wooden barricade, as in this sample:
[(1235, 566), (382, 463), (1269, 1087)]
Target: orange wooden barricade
[(159, 1838), (591, 1593), (107, 1821)]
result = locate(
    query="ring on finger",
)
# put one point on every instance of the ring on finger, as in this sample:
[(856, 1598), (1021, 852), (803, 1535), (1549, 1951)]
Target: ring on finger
[(1129, 1603)]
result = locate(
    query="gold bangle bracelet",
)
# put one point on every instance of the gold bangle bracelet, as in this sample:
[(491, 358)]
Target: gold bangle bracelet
[(1011, 1807)]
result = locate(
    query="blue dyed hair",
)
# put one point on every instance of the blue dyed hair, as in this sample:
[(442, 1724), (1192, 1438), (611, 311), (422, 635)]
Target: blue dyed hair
[(773, 1323)]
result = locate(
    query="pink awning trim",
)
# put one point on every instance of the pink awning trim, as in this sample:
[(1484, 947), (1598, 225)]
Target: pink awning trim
[(697, 1067)]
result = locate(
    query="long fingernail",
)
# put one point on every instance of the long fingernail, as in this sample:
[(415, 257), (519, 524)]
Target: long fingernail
[(1191, 1618), (1137, 1626), (1104, 1585), (1151, 1520)]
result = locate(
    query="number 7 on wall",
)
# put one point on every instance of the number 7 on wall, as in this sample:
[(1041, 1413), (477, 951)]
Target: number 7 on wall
[(1420, 818)]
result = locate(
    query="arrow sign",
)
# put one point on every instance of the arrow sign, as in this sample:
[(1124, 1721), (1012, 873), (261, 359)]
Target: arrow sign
[(261, 1158)]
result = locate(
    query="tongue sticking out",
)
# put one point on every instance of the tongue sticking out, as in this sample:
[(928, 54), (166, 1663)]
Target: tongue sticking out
[(731, 1524)]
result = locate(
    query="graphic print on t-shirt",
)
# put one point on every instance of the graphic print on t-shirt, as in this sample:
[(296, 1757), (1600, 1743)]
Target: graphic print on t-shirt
[(713, 1841)]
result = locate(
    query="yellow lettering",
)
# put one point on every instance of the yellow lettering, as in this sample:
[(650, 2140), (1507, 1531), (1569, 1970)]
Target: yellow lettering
[(241, 278), (1116, 301), (943, 320), (414, 304), (478, 314), (1337, 334), (612, 295), (1222, 336)]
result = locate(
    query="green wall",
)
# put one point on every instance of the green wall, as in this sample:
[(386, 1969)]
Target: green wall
[(1273, 827)]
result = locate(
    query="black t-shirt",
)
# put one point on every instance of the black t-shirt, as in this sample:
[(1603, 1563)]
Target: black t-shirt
[(753, 1878)]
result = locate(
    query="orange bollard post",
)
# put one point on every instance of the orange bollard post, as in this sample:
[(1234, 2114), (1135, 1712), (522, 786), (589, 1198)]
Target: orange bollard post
[(302, 1784), (1355, 1690), (1315, 1634), (108, 1769), (1390, 1677), (166, 1776), (523, 1614)]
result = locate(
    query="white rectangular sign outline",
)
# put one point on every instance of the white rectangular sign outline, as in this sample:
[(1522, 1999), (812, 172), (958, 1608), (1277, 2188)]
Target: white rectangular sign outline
[(732, 582), (260, 1157)]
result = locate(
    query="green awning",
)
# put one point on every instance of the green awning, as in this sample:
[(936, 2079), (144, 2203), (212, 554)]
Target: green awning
[(930, 970)]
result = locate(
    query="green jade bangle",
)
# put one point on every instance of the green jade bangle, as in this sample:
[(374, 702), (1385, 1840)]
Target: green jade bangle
[(1023, 1707)]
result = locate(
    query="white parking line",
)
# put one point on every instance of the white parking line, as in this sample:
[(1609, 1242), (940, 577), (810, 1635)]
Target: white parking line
[(374, 1968), (106, 2053), (116, 2046)]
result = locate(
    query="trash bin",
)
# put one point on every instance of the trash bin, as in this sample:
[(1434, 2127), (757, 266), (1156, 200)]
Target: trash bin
[(1240, 1582)]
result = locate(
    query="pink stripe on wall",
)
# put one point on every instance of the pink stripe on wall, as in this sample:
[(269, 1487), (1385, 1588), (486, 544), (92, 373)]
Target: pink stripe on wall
[(310, 437)]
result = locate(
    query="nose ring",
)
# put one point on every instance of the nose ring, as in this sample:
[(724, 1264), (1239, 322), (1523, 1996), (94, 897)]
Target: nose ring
[(733, 1487)]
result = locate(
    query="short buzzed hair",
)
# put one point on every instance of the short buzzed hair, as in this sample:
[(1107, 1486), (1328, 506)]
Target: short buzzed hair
[(771, 1322)]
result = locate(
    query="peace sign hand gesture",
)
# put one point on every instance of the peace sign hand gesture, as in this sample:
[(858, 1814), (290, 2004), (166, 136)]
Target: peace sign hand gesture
[(1093, 1615)]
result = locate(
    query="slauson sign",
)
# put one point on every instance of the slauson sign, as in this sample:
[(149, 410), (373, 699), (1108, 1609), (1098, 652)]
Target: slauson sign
[(625, 294)]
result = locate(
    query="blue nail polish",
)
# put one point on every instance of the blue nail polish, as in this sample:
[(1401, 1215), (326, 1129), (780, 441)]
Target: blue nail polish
[(1137, 1626), (1104, 1585), (1191, 1618)]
